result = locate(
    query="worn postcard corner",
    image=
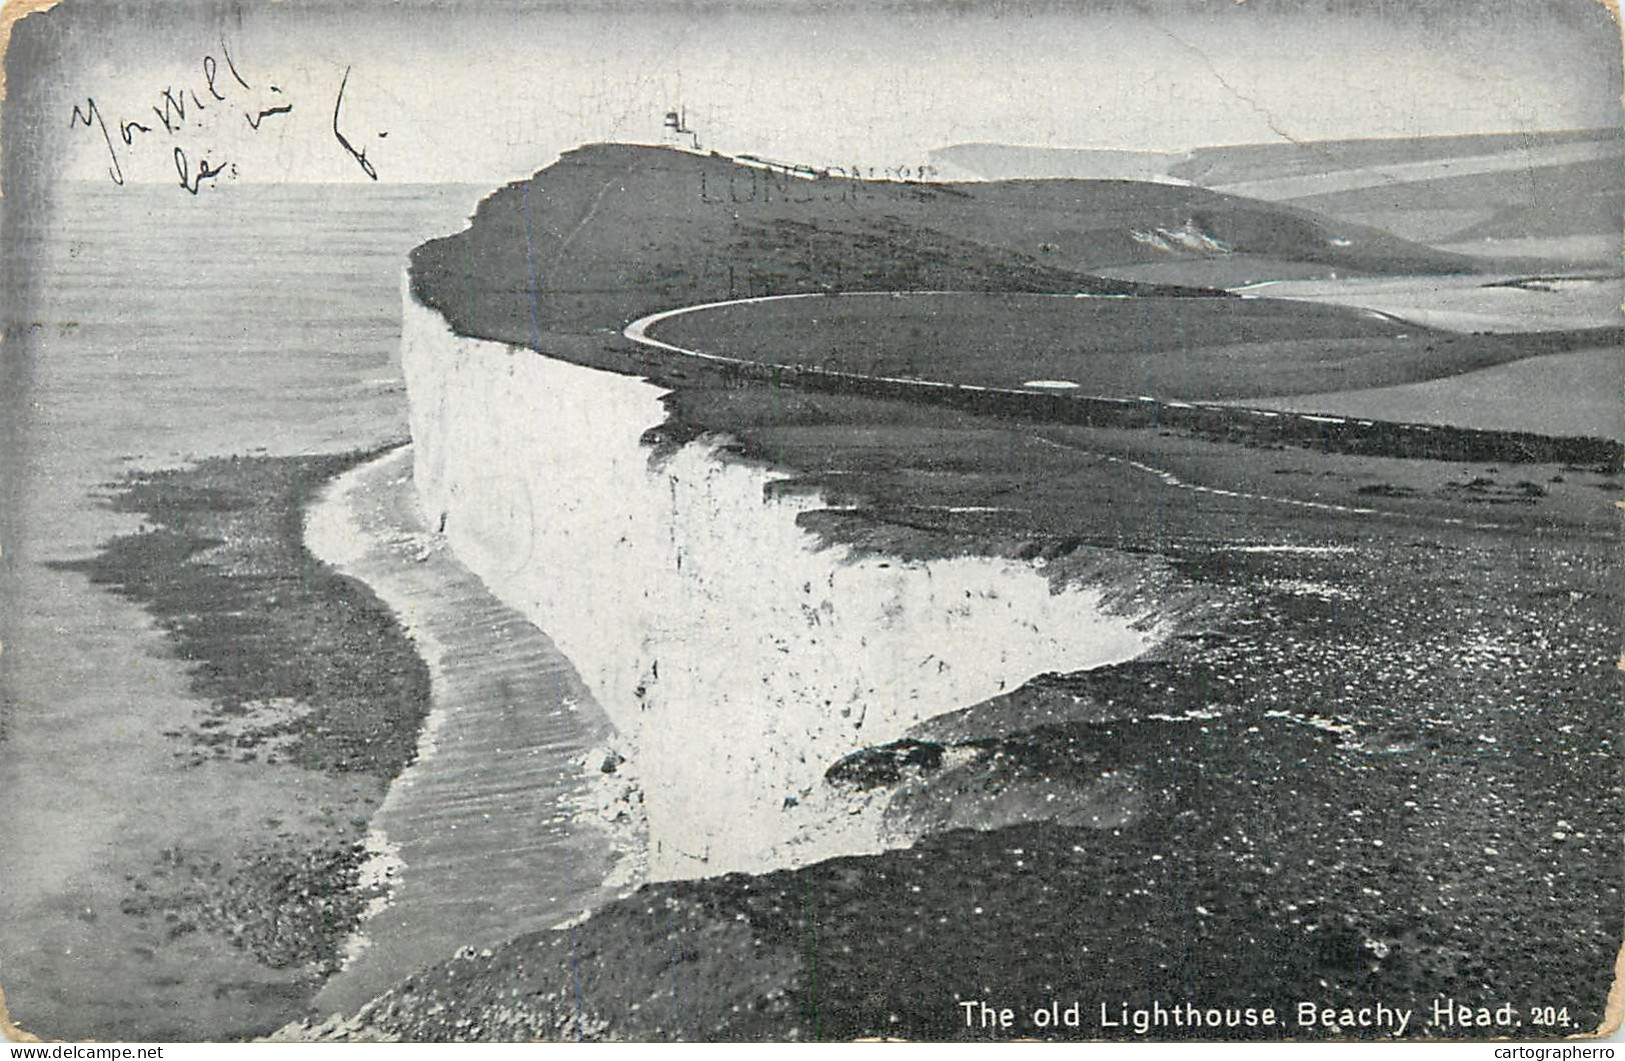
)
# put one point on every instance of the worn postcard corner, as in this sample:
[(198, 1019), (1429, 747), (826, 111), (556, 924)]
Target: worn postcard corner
[(811, 521)]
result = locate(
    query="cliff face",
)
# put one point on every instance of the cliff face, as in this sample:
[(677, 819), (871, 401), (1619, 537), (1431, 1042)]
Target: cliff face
[(737, 657)]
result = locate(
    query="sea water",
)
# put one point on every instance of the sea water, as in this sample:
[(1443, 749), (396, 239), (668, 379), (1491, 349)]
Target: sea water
[(169, 328)]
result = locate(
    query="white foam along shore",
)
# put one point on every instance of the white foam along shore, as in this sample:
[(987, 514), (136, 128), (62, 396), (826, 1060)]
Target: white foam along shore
[(737, 656), (492, 829)]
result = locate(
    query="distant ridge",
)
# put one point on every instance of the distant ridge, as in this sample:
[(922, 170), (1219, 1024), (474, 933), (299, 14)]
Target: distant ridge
[(988, 161), (1556, 198), (1233, 164), (1261, 170)]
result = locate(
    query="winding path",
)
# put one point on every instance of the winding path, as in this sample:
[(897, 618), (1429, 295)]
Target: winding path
[(637, 332)]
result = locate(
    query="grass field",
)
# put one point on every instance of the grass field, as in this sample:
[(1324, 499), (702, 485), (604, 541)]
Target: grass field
[(1473, 303), (1565, 394), (1191, 349)]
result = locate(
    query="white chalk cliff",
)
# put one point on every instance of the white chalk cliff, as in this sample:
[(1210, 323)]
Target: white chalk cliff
[(736, 655)]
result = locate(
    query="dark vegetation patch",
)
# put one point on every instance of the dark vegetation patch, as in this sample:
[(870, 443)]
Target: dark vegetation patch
[(1485, 490), (301, 664), (885, 764)]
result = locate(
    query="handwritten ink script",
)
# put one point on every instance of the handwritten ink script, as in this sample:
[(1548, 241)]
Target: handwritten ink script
[(225, 93)]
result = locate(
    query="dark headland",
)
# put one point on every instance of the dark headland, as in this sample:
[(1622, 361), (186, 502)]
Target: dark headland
[(1378, 761)]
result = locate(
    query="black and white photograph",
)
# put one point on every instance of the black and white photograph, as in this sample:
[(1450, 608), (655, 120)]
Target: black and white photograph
[(815, 520)]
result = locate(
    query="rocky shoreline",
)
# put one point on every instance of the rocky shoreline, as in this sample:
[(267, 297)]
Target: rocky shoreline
[(305, 673)]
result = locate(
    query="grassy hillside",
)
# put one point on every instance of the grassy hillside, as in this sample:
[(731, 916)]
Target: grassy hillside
[(1559, 200), (1581, 391), (1163, 347), (1553, 196), (1576, 210), (611, 232)]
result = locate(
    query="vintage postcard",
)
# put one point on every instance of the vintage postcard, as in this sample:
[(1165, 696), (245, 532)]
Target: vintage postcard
[(813, 520)]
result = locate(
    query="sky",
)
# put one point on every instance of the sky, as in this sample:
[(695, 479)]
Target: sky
[(486, 93)]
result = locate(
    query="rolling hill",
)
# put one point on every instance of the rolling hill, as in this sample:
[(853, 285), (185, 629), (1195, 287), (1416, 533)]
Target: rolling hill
[(1553, 196), (1556, 196), (614, 231)]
